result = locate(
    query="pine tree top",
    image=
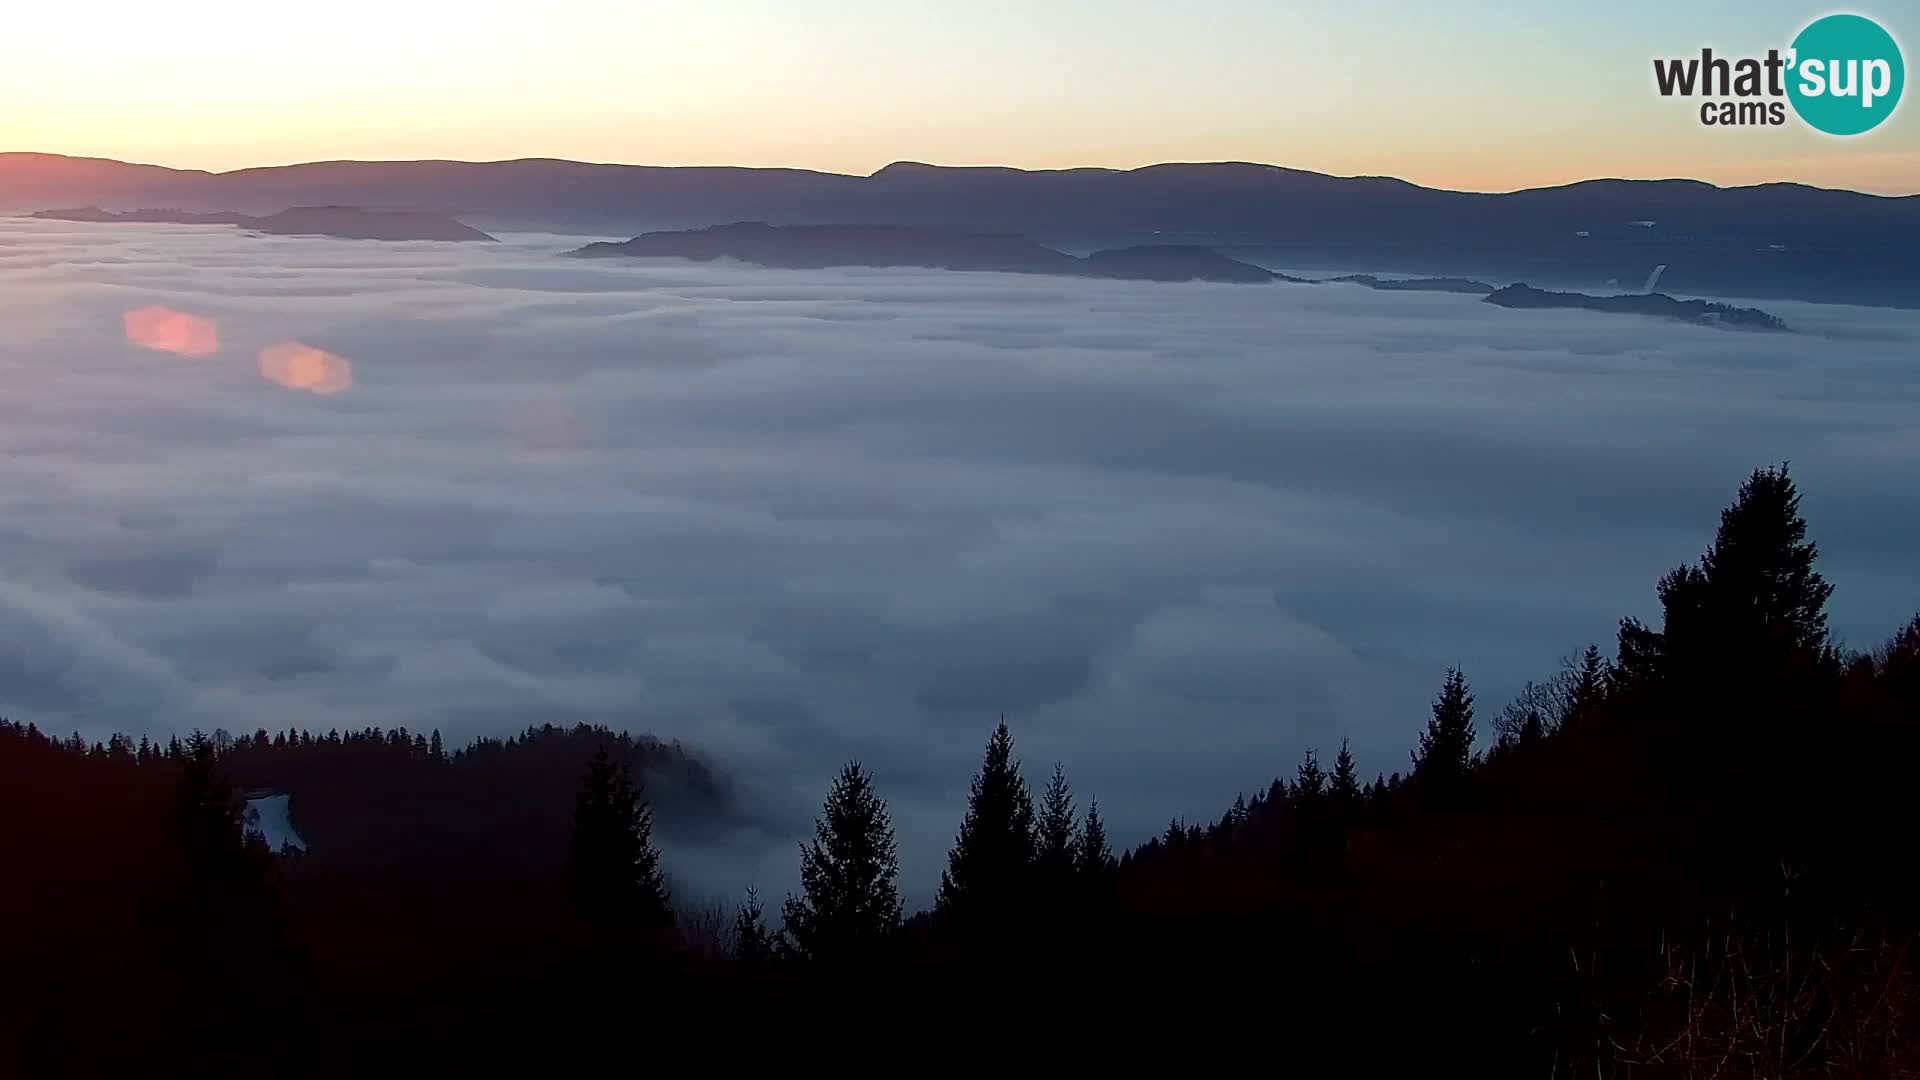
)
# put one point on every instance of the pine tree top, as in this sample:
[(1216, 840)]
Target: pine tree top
[(848, 903), (1056, 826), (995, 849), (1095, 858), (1345, 783), (1445, 753), (612, 867)]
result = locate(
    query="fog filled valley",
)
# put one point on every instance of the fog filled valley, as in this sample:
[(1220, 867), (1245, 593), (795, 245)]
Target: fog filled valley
[(743, 526)]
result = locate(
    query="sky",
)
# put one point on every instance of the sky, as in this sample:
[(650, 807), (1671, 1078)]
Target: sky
[(1475, 95), (1175, 534)]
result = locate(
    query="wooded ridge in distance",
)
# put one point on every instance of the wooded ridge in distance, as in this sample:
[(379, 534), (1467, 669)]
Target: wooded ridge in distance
[(1767, 240)]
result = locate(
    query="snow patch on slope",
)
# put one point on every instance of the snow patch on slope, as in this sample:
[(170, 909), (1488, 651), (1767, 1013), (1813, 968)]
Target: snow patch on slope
[(266, 815)]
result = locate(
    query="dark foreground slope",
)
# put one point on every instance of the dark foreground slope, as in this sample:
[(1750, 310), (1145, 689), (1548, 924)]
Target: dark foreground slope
[(1766, 240), (1687, 860)]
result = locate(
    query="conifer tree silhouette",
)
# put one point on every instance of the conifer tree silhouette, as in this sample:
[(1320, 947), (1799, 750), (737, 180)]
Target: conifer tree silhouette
[(1343, 791), (1092, 857), (848, 906), (613, 871), (753, 945), (1054, 858), (990, 867), (1445, 754)]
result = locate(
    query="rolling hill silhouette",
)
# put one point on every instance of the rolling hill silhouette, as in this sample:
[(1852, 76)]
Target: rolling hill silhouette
[(343, 222), (815, 246), (1784, 240), (1657, 305)]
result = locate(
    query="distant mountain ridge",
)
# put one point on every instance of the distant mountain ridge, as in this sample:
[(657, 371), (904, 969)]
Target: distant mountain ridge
[(1658, 305), (1444, 284), (343, 222), (811, 247), (1767, 240), (801, 247)]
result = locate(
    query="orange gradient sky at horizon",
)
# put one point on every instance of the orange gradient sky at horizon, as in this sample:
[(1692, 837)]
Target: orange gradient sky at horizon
[(1479, 96)]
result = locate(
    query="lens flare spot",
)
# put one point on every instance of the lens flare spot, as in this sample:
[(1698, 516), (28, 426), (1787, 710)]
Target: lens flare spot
[(303, 367), (166, 330)]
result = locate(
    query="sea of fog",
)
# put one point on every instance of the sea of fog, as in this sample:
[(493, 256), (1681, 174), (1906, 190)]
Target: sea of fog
[(1175, 534)]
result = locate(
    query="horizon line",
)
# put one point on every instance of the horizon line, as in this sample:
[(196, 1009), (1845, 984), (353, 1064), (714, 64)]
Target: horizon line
[(5, 154)]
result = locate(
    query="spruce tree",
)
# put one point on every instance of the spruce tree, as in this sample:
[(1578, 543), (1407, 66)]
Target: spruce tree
[(1445, 756), (1093, 858), (1309, 783), (1759, 573), (1175, 836), (990, 867), (1726, 690), (1276, 794), (1753, 607), (1055, 857), (1897, 663), (1316, 830), (752, 944), (612, 869), (1344, 790), (848, 905), (1587, 687)]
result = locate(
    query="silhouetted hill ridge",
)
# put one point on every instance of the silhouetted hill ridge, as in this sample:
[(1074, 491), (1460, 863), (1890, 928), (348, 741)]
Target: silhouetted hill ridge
[(1763, 240), (343, 222), (1659, 305), (806, 247)]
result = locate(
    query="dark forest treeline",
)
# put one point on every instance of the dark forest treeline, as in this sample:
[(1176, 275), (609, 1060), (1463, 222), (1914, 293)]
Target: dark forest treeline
[(433, 872), (373, 799), (1690, 858)]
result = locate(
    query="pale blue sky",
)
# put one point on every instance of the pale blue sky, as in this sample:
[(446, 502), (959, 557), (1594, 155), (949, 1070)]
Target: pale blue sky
[(1472, 94)]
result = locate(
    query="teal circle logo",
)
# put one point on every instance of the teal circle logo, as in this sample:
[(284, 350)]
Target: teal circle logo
[(1847, 74)]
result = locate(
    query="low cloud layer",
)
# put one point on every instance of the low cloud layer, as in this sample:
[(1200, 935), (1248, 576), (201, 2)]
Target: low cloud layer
[(1175, 533)]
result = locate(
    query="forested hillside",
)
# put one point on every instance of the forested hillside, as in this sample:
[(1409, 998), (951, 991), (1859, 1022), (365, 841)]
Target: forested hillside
[(1684, 854)]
